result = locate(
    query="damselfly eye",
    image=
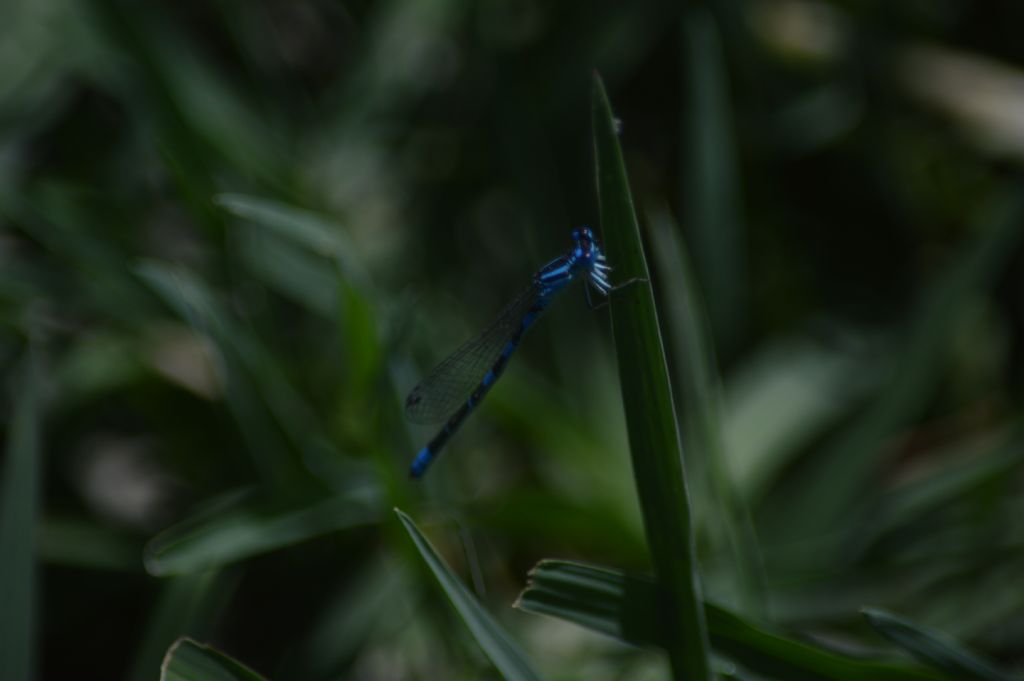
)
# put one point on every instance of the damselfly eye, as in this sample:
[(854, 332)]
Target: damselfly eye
[(575, 235), (579, 252)]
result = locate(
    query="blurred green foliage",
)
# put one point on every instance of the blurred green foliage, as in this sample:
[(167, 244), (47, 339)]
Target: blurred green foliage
[(233, 235)]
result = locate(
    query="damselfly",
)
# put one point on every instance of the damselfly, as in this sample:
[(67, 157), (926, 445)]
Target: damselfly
[(458, 384)]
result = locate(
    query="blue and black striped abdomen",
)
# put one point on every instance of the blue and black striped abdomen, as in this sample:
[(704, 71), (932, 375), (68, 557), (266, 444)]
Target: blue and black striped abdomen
[(429, 453)]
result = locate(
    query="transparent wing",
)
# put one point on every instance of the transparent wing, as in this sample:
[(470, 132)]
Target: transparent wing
[(453, 380)]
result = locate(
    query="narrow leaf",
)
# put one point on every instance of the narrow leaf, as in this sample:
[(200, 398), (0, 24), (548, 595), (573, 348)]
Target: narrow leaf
[(80, 543), (933, 648), (271, 413), (305, 278), (188, 660), (784, 396), (236, 527), (723, 513), (189, 604), (309, 231), (19, 510), (506, 655), (350, 620), (625, 607), (301, 227), (650, 413), (711, 194), (836, 478)]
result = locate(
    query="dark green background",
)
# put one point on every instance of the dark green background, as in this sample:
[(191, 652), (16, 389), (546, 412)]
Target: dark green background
[(233, 235)]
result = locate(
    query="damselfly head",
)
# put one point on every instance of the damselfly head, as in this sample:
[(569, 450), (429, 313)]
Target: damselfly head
[(587, 257), (584, 253), (583, 235)]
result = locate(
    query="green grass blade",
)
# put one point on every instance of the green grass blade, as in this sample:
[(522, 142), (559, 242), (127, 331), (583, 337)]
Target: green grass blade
[(235, 527), (968, 467), (188, 660), (725, 515), (306, 279), (711, 193), (19, 509), (189, 604), (506, 655), (69, 226), (838, 476), (624, 607), (309, 231), (78, 543), (271, 413), (933, 648), (201, 123), (309, 258), (350, 620), (302, 227), (650, 414), (784, 397)]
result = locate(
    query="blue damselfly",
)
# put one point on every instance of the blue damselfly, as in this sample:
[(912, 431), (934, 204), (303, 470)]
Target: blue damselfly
[(459, 383)]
